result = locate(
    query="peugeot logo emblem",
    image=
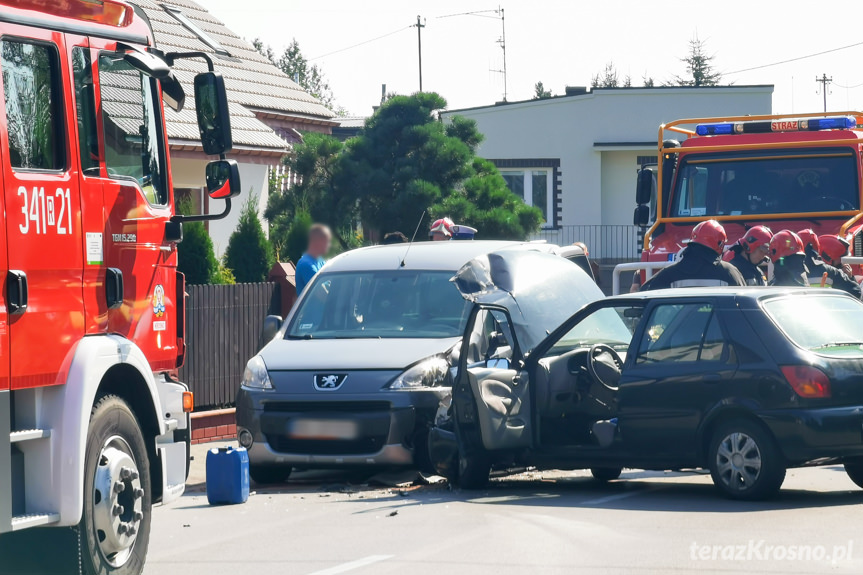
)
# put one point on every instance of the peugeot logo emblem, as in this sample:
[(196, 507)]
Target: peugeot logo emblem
[(329, 381)]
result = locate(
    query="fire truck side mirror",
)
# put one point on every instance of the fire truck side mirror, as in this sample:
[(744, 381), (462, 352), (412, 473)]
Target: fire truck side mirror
[(214, 119), (644, 187), (642, 215), (223, 179)]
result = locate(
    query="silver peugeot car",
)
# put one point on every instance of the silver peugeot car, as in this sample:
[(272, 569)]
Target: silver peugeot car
[(356, 373)]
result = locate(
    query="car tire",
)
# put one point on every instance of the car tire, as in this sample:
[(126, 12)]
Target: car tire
[(114, 531), (269, 474), (473, 471), (854, 469), (745, 462), (606, 473)]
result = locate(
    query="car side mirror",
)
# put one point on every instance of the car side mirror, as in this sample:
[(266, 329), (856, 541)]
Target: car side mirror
[(644, 187), (223, 179), (214, 119), (272, 325), (641, 217)]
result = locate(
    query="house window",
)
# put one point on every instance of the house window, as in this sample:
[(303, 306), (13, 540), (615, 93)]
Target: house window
[(535, 187), (187, 23)]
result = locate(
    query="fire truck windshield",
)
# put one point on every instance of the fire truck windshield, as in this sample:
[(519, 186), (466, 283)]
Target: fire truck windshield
[(775, 182)]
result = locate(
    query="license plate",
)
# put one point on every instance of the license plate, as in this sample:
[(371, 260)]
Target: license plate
[(322, 429)]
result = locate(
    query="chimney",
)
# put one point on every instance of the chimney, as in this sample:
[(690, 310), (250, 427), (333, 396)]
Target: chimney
[(576, 90)]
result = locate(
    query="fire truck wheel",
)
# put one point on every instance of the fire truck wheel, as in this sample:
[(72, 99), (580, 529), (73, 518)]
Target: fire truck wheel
[(115, 529)]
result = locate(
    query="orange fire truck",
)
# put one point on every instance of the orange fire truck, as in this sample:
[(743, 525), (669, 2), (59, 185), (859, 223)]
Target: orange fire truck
[(94, 425), (783, 171)]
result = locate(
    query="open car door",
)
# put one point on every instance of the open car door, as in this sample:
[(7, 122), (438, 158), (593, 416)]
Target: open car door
[(519, 296), (491, 398)]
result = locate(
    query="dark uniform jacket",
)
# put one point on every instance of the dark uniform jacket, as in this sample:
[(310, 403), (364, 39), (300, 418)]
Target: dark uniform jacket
[(835, 276), (790, 271), (752, 274), (698, 266)]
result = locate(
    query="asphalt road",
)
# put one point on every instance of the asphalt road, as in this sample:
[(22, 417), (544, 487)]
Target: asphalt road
[(549, 522)]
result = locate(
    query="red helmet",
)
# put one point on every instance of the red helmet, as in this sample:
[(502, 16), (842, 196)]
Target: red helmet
[(785, 243), (833, 248), (810, 238), (755, 238), (710, 234), (443, 225)]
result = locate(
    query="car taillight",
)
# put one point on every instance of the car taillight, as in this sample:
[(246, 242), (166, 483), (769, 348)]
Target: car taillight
[(808, 382)]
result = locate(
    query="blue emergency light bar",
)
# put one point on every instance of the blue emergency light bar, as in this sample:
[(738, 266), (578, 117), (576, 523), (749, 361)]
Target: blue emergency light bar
[(768, 126)]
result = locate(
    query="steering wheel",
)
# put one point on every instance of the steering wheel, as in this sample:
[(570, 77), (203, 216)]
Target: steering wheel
[(604, 365)]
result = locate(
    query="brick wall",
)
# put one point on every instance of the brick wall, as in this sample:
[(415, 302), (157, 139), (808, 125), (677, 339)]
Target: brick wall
[(217, 425)]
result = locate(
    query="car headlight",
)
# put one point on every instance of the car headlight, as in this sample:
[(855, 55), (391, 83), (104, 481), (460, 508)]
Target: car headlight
[(256, 376), (431, 372)]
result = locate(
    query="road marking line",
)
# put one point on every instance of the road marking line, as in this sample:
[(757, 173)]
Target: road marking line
[(617, 496), (345, 567)]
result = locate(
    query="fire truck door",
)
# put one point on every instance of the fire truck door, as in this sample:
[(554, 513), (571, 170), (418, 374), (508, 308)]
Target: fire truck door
[(137, 207), (43, 227)]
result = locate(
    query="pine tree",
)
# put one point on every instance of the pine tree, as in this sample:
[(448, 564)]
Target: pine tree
[(699, 67), (196, 258), (249, 255), (540, 93)]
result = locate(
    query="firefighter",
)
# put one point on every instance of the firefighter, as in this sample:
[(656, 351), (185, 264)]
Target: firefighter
[(831, 250), (749, 253), (441, 230), (700, 263), (789, 260)]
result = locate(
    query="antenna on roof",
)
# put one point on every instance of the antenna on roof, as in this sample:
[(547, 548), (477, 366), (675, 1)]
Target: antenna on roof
[(413, 237)]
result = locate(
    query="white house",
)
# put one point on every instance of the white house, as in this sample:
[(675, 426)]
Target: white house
[(576, 156), (268, 109)]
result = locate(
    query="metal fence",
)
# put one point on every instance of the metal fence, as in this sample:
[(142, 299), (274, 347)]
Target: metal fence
[(223, 330), (612, 243)]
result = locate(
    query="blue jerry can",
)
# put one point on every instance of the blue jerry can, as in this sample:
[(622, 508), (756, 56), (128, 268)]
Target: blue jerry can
[(227, 475)]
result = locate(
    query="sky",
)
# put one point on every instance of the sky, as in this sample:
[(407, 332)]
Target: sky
[(560, 43)]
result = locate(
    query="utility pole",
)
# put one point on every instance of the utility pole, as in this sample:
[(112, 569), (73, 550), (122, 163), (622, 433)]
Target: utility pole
[(419, 26), (825, 82)]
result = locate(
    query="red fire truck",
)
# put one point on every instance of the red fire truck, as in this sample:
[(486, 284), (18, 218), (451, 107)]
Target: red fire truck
[(782, 171), (94, 425)]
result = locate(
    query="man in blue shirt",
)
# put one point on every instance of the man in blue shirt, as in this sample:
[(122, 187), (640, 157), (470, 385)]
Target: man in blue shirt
[(320, 239)]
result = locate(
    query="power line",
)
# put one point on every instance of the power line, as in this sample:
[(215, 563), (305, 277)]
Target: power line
[(480, 13), (848, 87), (794, 59), (360, 43)]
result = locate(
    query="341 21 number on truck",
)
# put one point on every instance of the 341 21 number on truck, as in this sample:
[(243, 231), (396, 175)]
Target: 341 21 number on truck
[(94, 425)]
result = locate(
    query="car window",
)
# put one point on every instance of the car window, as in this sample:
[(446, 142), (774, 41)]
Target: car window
[(826, 324), (682, 332), (491, 339), (613, 326), (31, 74), (380, 304)]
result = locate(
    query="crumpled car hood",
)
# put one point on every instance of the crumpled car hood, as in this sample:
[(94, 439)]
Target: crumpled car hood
[(540, 290)]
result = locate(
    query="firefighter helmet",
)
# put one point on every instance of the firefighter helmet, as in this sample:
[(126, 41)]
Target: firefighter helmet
[(785, 243), (710, 234), (810, 238), (833, 249), (755, 238), (443, 225)]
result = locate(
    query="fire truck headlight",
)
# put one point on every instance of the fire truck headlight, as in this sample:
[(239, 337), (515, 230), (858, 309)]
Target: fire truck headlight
[(256, 376)]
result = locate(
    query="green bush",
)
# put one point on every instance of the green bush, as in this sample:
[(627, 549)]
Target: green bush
[(196, 257), (249, 255)]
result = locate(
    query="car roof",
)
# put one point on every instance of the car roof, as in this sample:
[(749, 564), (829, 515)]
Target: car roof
[(424, 255), (750, 292)]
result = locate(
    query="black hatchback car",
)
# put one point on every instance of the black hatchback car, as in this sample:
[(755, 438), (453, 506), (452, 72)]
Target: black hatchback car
[(744, 382)]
